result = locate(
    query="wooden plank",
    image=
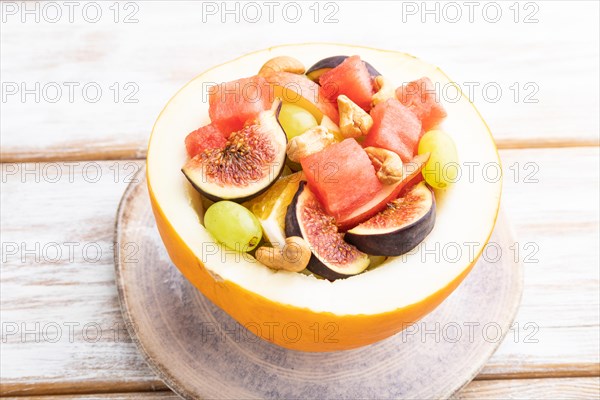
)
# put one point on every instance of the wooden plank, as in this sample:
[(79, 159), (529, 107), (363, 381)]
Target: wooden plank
[(566, 388), (580, 388), (559, 214), (61, 297), (533, 109), (162, 395), (75, 151), (552, 202), (537, 143)]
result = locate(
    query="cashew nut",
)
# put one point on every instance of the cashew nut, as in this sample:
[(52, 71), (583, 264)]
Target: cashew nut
[(332, 127), (293, 257), (282, 64), (387, 164), (354, 121), (310, 142), (385, 91)]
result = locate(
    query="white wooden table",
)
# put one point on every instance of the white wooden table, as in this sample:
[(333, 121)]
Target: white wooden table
[(67, 160)]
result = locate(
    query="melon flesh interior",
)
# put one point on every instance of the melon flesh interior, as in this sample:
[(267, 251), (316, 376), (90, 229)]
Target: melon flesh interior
[(466, 213)]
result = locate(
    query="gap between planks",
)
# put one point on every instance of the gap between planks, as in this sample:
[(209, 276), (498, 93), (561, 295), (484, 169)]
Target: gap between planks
[(579, 387), (135, 152), (585, 371)]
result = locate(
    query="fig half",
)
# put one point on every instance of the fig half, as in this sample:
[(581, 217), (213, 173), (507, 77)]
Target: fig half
[(251, 160), (400, 227), (332, 258)]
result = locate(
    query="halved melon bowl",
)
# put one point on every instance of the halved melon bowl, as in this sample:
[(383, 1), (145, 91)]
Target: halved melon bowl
[(299, 311)]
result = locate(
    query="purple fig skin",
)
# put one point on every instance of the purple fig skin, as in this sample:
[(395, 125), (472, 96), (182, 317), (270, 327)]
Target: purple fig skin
[(292, 228), (398, 242)]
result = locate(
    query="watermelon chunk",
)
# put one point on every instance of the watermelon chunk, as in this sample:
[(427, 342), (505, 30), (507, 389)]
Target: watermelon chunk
[(207, 137), (351, 78), (233, 103), (395, 128), (420, 97), (342, 177)]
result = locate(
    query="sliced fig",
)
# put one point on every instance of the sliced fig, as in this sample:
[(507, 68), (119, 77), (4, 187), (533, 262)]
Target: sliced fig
[(411, 173), (324, 65), (332, 257), (401, 226), (250, 161)]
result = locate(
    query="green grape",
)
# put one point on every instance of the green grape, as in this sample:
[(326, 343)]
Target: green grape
[(442, 169), (295, 120), (233, 225)]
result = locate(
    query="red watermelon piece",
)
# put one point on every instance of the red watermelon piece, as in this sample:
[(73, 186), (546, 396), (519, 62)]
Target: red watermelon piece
[(342, 177), (233, 103), (351, 78), (207, 137), (420, 97), (395, 128)]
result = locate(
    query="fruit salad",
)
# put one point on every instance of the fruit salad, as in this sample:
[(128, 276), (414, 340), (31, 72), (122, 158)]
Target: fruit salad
[(327, 170)]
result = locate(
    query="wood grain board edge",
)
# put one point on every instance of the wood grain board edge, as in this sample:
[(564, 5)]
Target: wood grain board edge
[(552, 388), (77, 153), (584, 373), (576, 373), (549, 143), (581, 370), (133, 151), (556, 388), (108, 388)]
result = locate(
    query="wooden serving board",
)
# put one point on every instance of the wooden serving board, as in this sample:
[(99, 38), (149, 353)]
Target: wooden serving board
[(200, 352)]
